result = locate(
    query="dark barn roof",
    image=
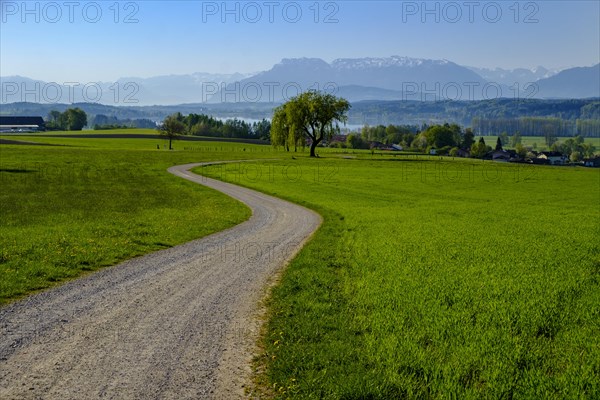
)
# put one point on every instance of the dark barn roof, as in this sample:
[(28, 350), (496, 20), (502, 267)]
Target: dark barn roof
[(21, 121)]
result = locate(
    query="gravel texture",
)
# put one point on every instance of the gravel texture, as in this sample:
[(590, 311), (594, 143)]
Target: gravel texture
[(176, 324)]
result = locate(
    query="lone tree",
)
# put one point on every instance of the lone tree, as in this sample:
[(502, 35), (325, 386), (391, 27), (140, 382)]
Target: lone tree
[(499, 144), (310, 115), (75, 119), (172, 127)]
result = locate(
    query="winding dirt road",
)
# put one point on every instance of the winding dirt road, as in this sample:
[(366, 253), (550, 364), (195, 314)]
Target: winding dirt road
[(176, 324)]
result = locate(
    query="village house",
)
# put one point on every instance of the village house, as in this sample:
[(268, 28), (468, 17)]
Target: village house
[(553, 157), (499, 155), (503, 155), (592, 162)]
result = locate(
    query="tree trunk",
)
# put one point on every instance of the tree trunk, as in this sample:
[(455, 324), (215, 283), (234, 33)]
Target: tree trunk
[(170, 139), (313, 146)]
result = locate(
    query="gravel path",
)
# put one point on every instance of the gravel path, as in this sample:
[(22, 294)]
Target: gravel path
[(175, 324)]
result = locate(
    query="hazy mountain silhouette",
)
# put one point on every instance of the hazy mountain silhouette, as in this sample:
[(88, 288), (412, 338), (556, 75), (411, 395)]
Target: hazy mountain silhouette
[(357, 79), (580, 82)]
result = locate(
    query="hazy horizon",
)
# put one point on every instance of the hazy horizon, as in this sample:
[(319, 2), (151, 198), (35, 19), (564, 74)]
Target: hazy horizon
[(245, 73)]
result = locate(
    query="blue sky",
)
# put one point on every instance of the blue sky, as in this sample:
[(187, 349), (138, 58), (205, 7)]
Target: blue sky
[(105, 40)]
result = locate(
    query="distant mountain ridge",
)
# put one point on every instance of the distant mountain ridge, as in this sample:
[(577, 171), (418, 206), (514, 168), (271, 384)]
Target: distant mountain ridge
[(393, 61), (580, 82), (522, 76), (167, 89), (357, 79), (416, 79)]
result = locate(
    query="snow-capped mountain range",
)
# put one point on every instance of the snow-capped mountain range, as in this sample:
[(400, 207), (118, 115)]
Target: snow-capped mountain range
[(388, 78), (393, 61)]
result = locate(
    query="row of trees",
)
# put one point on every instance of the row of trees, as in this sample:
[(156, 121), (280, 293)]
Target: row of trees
[(464, 112), (102, 122), (538, 126), (575, 148), (418, 139), (204, 125), (449, 138), (549, 138), (391, 134), (73, 119)]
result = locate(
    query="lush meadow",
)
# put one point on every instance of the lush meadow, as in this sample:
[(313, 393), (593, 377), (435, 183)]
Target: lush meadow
[(89, 203), (435, 279), (430, 277)]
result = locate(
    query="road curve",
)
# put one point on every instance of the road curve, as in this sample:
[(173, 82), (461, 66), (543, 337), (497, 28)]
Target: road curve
[(175, 324)]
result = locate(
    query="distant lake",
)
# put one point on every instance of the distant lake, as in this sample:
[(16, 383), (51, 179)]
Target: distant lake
[(345, 128)]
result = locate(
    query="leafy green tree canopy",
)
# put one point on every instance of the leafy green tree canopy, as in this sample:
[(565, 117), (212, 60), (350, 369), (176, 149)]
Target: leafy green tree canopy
[(311, 115), (73, 119), (172, 127), (468, 139)]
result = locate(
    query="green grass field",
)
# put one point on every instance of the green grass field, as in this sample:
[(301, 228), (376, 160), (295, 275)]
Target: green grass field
[(132, 131), (90, 203), (430, 278), (436, 280)]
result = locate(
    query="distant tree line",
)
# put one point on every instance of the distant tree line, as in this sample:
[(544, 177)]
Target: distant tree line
[(177, 124), (72, 119), (575, 148), (205, 125), (537, 126), (450, 139), (444, 138), (103, 122), (463, 112), (75, 119), (411, 137), (390, 134), (367, 112)]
